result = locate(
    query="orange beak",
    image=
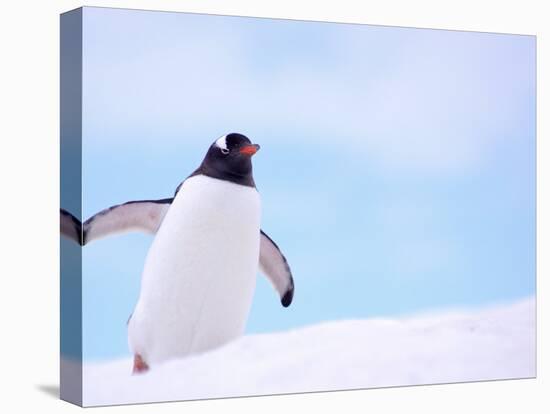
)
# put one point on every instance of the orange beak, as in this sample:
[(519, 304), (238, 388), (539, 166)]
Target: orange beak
[(250, 149)]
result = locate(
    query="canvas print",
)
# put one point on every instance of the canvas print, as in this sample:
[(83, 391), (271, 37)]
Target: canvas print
[(262, 206)]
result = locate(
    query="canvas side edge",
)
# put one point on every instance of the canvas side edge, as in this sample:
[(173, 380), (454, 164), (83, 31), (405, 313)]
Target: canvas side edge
[(71, 201)]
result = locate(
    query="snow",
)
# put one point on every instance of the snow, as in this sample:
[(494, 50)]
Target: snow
[(450, 346)]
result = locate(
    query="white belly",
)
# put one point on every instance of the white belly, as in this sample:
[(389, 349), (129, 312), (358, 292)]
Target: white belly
[(200, 272)]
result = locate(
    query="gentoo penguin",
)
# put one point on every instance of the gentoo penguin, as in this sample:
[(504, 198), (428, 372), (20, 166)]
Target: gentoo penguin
[(199, 275)]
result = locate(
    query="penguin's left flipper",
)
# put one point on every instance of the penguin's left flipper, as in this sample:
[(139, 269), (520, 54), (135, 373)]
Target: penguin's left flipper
[(273, 264), (145, 215)]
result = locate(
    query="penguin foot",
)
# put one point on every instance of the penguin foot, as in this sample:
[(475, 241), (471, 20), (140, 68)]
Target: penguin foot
[(140, 366)]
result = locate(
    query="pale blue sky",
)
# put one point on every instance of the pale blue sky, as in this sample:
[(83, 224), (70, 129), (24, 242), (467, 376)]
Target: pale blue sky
[(396, 171)]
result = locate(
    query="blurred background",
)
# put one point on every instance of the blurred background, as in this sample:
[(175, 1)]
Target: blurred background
[(397, 169)]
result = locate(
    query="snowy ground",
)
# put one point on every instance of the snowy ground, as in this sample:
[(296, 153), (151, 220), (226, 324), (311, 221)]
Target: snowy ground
[(491, 343)]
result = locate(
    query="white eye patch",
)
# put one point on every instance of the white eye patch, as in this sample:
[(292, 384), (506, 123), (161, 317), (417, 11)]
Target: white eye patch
[(222, 143)]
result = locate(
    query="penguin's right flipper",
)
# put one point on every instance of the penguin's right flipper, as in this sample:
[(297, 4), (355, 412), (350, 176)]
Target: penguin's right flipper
[(145, 215), (71, 227)]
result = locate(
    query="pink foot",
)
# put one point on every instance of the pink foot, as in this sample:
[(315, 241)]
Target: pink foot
[(140, 366)]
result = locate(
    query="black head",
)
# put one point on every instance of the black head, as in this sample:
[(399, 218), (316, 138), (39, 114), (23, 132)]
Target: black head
[(230, 158)]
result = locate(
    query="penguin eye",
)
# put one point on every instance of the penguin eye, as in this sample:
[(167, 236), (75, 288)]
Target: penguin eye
[(225, 151)]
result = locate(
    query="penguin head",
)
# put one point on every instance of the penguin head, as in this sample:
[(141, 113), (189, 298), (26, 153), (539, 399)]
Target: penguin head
[(230, 158)]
